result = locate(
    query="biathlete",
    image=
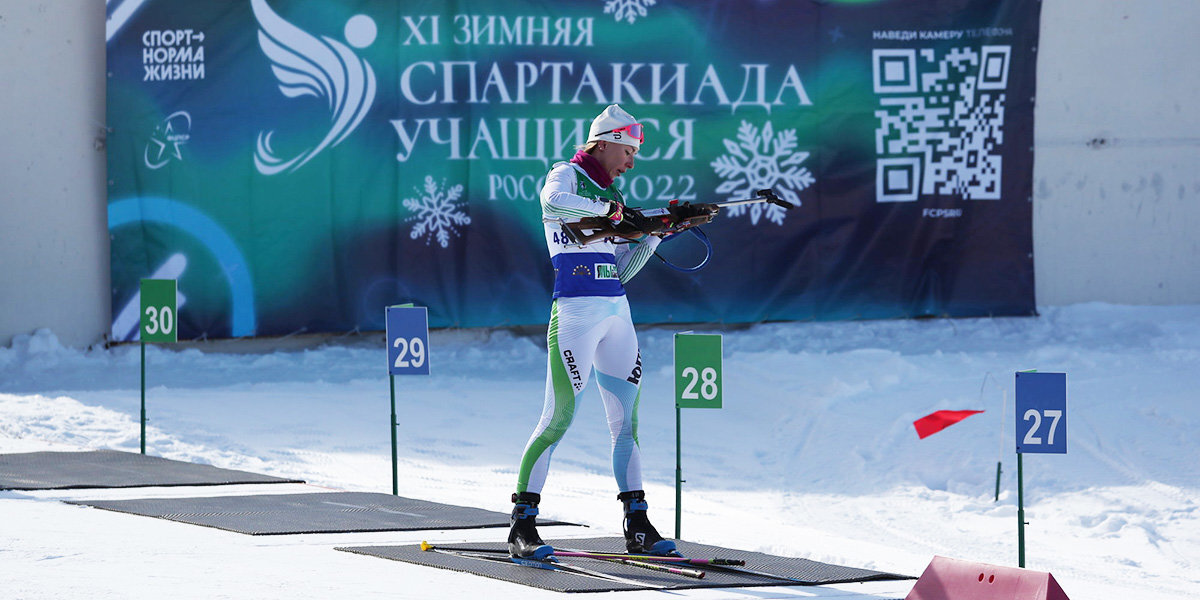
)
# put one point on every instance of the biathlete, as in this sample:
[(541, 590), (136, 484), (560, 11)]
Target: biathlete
[(590, 326)]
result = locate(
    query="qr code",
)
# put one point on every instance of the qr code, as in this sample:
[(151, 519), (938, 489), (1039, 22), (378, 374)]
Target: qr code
[(941, 122)]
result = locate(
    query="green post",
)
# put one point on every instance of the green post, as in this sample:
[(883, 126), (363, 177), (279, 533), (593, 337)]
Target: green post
[(697, 385), (407, 337), (395, 455), (678, 472), (1041, 420), (143, 418), (158, 324), (997, 498), (1020, 513)]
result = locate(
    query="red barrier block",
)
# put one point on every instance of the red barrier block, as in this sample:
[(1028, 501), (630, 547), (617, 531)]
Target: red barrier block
[(952, 579)]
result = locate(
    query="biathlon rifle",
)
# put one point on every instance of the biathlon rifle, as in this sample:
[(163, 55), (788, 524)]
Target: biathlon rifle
[(662, 222)]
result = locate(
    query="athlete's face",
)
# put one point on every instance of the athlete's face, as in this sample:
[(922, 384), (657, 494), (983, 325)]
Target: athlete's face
[(614, 158)]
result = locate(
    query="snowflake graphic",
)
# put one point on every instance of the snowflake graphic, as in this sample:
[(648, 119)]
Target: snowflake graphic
[(629, 10), (757, 162), (436, 212)]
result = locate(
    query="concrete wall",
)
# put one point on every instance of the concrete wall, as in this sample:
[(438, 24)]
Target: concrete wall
[(53, 220), (1117, 171), (1117, 152)]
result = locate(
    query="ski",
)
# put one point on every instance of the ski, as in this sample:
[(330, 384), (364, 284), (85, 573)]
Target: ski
[(548, 564)]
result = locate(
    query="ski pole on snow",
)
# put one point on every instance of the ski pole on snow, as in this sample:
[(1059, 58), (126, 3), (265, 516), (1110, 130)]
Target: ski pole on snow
[(652, 563), (642, 564), (426, 546)]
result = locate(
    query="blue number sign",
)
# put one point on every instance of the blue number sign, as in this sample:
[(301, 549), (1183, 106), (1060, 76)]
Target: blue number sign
[(408, 340), (1042, 413)]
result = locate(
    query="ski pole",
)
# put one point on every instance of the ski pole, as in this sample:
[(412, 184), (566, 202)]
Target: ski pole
[(699, 562), (550, 566), (619, 558), (642, 564), (731, 565)]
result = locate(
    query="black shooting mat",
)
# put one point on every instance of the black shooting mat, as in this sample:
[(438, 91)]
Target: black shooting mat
[(789, 571), (319, 512), (113, 469)]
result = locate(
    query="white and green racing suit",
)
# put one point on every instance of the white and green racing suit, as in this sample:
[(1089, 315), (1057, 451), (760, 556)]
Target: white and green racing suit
[(590, 329)]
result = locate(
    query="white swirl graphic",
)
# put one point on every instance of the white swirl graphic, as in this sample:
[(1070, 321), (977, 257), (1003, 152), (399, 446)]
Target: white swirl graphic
[(323, 67)]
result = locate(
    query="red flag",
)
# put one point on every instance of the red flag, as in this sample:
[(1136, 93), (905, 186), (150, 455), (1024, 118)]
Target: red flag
[(939, 420)]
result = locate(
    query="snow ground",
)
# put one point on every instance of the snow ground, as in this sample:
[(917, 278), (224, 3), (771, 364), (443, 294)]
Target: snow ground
[(814, 454)]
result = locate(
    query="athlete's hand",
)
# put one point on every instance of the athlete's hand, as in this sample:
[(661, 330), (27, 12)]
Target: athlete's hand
[(635, 225), (616, 212)]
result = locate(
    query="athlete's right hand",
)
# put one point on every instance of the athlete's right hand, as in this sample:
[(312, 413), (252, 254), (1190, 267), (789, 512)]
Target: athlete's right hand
[(616, 212)]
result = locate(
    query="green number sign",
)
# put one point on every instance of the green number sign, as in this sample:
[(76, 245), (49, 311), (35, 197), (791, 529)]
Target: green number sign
[(697, 370), (159, 322)]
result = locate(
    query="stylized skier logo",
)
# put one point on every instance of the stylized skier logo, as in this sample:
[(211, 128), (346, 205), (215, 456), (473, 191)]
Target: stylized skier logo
[(164, 143), (323, 67)]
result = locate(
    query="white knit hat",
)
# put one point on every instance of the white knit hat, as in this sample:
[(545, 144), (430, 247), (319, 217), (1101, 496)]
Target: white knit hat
[(613, 118)]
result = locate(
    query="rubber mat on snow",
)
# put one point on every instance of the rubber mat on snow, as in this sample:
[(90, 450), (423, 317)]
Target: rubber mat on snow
[(113, 469), (771, 570), (318, 512)]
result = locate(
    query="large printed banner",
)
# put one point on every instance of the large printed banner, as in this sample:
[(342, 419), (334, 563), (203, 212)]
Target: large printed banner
[(298, 165)]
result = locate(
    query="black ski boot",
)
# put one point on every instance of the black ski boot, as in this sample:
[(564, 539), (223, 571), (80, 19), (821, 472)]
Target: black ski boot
[(523, 538), (640, 536)]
